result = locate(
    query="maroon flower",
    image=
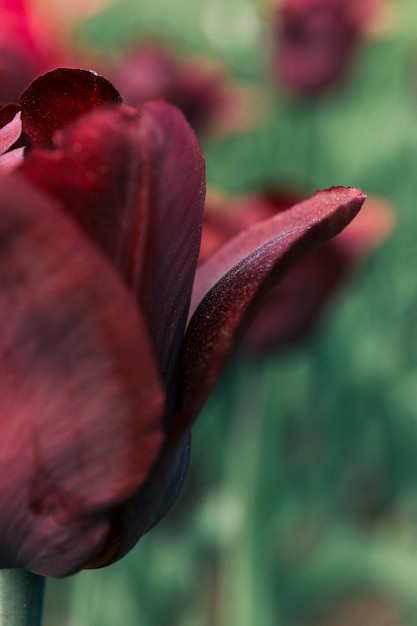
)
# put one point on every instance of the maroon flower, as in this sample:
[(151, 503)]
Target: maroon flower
[(29, 46), (200, 88), (101, 375), (291, 310), (315, 41)]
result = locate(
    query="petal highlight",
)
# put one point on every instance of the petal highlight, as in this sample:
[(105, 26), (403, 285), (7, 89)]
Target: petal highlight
[(10, 133)]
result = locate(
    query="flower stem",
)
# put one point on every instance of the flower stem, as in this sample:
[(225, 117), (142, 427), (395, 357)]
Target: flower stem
[(21, 598)]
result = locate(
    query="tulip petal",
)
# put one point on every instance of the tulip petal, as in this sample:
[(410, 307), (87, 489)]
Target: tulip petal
[(209, 343), (10, 133), (57, 97), (135, 182), (80, 398), (231, 284), (7, 113), (149, 504), (11, 160)]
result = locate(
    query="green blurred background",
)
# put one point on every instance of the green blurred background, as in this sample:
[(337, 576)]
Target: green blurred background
[(300, 507)]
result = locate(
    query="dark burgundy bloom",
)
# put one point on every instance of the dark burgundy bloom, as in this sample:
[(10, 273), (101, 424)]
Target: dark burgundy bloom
[(201, 89), (101, 373), (29, 46), (291, 310), (315, 41)]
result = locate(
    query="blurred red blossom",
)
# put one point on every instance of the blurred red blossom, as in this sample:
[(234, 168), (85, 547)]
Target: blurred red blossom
[(291, 310), (114, 336), (29, 46), (199, 87), (315, 41)]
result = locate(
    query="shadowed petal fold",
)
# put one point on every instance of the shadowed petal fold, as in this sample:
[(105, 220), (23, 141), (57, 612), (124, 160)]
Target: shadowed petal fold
[(232, 283), (135, 181), (80, 397)]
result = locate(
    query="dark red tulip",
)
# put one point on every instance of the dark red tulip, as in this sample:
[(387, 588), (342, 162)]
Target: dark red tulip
[(291, 311), (102, 374), (316, 40)]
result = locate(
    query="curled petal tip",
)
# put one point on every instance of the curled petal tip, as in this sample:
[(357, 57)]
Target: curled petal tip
[(59, 96)]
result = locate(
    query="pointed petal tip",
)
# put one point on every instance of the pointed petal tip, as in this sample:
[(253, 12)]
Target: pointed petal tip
[(349, 195), (232, 282), (341, 193), (356, 192)]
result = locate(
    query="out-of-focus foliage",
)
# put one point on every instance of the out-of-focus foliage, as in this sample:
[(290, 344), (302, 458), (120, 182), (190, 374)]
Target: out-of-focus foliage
[(302, 500)]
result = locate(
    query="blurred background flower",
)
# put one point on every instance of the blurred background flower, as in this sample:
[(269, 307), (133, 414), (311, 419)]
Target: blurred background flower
[(199, 87), (29, 45), (316, 41)]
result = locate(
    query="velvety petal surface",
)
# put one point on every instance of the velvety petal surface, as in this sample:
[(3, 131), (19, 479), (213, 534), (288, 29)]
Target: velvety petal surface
[(57, 97), (135, 182), (80, 398), (232, 283), (291, 310)]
